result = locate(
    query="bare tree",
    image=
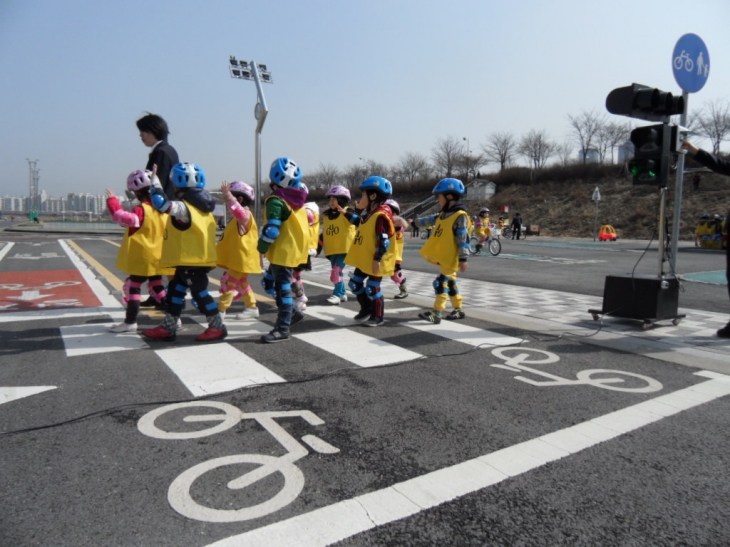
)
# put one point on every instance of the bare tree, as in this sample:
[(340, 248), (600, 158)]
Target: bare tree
[(414, 166), (585, 128), (353, 175), (446, 154), (324, 177), (537, 148), (714, 121), (564, 151), (500, 148), (609, 136)]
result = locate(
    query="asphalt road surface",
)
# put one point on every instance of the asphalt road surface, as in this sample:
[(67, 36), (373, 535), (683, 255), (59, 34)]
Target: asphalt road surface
[(473, 432)]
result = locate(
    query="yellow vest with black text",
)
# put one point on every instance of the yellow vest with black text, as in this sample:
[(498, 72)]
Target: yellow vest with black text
[(140, 252), (441, 248), (363, 248), (337, 235), (238, 252), (291, 248), (192, 246)]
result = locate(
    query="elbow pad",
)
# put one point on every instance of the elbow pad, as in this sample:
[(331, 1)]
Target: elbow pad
[(160, 202), (271, 230), (384, 242)]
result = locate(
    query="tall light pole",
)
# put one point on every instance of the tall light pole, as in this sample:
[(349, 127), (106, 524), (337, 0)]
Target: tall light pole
[(250, 70), (467, 159), (33, 188)]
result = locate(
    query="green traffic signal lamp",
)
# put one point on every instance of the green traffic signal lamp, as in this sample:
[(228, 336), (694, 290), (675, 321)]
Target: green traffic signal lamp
[(645, 171)]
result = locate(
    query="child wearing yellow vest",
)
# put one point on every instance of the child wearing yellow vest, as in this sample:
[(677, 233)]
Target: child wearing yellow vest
[(448, 248), (371, 252), (300, 299), (285, 242), (139, 254), (337, 235), (481, 228), (236, 251), (189, 247), (400, 225)]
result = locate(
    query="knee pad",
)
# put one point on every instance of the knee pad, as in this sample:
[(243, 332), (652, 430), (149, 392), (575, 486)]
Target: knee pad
[(438, 284), (453, 287), (156, 288), (373, 290), (356, 284), (336, 274), (267, 282)]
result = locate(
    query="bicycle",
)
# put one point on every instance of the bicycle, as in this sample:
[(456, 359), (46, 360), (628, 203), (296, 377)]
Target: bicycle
[(179, 495), (507, 233), (492, 243)]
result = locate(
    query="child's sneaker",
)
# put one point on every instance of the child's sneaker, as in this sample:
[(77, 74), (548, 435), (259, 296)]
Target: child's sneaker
[(296, 317), (362, 314), (431, 316), (275, 336), (343, 298), (211, 334), (403, 291), (456, 314), (334, 300), (159, 333), (724, 332), (124, 327), (248, 313), (301, 302), (374, 322)]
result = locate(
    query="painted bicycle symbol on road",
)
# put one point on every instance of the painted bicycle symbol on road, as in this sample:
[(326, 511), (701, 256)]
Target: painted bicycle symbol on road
[(614, 380), (179, 494)]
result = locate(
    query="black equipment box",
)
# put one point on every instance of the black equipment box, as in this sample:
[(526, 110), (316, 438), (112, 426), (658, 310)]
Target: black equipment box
[(645, 297)]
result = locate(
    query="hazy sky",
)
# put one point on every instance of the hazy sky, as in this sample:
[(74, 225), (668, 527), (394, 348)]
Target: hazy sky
[(369, 79)]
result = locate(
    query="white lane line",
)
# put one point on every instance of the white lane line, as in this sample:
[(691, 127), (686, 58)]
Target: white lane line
[(345, 519), (6, 249), (357, 348), (342, 317), (12, 317), (96, 338), (460, 332), (216, 368), (8, 394), (101, 292)]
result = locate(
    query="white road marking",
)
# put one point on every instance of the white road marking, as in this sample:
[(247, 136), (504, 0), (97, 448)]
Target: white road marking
[(8, 394), (96, 338), (6, 249), (357, 348), (215, 368), (460, 332), (101, 292), (345, 519)]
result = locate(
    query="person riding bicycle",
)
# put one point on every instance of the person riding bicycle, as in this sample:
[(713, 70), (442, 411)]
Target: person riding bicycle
[(448, 248), (481, 228)]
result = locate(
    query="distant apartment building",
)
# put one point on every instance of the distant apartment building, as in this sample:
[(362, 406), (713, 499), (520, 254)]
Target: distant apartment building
[(592, 156), (12, 204)]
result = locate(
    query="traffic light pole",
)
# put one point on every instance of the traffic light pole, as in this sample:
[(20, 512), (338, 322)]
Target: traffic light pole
[(678, 191)]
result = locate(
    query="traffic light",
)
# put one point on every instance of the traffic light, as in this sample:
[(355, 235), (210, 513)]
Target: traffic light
[(653, 146), (643, 102)]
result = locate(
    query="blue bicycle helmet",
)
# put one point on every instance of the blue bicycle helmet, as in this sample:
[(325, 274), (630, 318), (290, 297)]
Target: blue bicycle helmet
[(187, 175), (377, 184), (449, 186), (285, 172)]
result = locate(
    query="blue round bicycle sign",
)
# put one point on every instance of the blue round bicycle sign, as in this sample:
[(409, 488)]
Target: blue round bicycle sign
[(691, 63)]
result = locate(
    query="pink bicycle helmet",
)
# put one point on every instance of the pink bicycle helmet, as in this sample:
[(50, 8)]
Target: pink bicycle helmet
[(240, 187), (338, 191), (393, 204), (139, 179), (483, 210)]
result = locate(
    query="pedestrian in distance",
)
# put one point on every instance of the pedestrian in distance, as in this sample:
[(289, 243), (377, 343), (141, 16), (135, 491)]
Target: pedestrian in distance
[(722, 166), (516, 226), (284, 240), (447, 248), (416, 230), (141, 248), (337, 235), (400, 225), (372, 252), (236, 251), (189, 247)]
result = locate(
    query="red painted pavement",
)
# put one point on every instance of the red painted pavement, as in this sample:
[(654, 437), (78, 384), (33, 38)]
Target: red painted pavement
[(50, 289)]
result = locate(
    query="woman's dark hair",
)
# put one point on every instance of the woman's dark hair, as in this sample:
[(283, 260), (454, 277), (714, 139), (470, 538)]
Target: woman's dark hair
[(152, 123)]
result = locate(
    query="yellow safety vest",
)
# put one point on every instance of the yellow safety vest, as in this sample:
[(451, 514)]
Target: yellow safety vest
[(398, 245), (441, 248), (238, 252), (291, 248), (363, 248), (140, 252), (314, 232), (337, 235), (193, 246)]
